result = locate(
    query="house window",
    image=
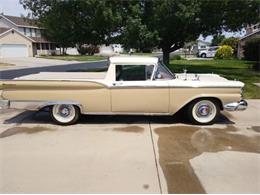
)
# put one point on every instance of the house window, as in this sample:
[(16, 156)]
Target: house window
[(24, 31), (43, 46), (33, 32), (38, 46), (47, 46), (53, 46), (28, 32), (38, 33)]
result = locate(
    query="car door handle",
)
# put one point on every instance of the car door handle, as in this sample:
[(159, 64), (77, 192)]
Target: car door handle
[(117, 84)]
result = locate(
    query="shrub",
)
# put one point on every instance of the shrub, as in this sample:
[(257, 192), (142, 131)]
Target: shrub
[(176, 57), (88, 49), (82, 49), (232, 42), (224, 52)]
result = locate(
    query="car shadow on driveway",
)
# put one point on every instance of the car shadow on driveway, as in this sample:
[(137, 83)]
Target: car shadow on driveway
[(43, 117)]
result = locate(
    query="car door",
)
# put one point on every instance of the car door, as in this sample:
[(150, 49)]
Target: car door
[(134, 91)]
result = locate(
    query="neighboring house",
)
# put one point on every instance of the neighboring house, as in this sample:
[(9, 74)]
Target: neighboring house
[(202, 44), (21, 37), (251, 32)]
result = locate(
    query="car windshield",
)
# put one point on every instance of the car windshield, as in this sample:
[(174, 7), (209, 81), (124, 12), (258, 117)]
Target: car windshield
[(163, 73)]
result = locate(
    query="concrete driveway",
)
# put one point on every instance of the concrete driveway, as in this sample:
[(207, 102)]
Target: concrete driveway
[(130, 154)]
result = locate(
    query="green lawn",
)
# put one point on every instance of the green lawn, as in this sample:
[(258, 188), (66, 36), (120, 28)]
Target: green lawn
[(75, 58), (230, 69)]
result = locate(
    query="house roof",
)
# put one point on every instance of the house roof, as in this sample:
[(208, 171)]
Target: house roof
[(250, 34), (2, 30), (21, 21), (202, 41), (40, 40), (6, 31)]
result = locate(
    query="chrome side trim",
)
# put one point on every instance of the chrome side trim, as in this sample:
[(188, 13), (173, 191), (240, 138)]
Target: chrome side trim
[(4, 104), (39, 104), (236, 106), (155, 87), (128, 113)]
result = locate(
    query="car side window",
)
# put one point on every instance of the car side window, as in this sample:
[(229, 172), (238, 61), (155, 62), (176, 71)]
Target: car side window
[(134, 72), (163, 73)]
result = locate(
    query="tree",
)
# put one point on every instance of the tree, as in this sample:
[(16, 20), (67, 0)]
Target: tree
[(217, 39), (178, 21), (144, 41), (71, 23), (167, 24)]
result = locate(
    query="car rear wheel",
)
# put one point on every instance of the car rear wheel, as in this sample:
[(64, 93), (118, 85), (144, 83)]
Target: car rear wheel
[(203, 55), (65, 114), (203, 111)]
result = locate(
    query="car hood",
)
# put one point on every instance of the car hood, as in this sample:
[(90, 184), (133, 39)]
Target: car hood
[(204, 80)]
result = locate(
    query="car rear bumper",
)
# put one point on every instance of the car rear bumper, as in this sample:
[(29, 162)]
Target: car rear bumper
[(236, 106)]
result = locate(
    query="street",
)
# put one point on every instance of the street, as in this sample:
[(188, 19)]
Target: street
[(50, 66), (130, 154)]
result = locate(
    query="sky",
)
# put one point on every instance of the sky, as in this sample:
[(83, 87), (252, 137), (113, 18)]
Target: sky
[(14, 8)]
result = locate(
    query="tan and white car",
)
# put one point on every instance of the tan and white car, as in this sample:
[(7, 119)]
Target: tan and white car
[(132, 85)]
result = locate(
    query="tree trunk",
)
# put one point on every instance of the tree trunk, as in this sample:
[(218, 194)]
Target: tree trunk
[(166, 56), (167, 50)]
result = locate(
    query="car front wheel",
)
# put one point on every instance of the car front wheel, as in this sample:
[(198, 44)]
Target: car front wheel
[(203, 111), (65, 114)]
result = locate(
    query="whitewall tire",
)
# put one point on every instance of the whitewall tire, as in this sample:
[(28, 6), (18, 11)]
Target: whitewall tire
[(203, 55), (65, 114), (203, 111)]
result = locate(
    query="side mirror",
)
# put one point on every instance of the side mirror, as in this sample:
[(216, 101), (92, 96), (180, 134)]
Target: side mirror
[(159, 76)]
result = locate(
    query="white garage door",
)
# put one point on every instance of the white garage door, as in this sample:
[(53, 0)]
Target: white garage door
[(13, 50)]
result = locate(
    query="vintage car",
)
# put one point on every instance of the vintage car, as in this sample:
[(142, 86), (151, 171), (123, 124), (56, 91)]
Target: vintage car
[(132, 85)]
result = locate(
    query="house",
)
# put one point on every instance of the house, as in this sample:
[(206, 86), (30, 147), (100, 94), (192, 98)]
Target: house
[(22, 37), (201, 45), (251, 32)]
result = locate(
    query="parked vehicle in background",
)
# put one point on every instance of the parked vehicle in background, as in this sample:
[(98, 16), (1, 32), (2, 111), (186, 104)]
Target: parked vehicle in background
[(208, 53)]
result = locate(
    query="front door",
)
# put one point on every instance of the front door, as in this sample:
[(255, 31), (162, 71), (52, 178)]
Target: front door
[(135, 92)]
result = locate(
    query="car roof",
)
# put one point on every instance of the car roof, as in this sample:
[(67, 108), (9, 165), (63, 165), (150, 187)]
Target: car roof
[(133, 60)]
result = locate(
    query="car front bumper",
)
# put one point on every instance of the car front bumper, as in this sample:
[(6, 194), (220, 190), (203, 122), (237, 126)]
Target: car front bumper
[(236, 106)]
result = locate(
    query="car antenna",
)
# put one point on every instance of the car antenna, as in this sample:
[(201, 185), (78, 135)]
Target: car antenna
[(185, 72)]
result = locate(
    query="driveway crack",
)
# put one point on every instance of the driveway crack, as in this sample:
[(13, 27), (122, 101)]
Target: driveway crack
[(155, 158)]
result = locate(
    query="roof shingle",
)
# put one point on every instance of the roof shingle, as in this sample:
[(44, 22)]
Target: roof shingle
[(2, 30), (40, 40), (22, 21)]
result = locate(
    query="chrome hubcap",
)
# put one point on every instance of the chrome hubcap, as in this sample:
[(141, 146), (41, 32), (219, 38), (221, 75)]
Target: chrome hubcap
[(203, 110), (64, 111)]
